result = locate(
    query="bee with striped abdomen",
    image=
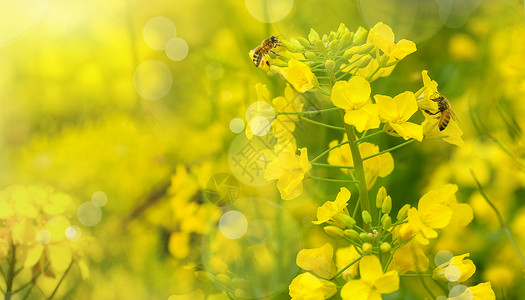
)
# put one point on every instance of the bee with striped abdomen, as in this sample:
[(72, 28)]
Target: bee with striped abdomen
[(264, 48), (445, 111)]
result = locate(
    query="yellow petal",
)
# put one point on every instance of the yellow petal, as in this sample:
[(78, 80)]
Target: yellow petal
[(387, 108), (409, 130), (406, 104), (388, 283), (299, 75), (382, 36), (403, 48), (355, 290), (317, 260), (352, 94), (370, 268)]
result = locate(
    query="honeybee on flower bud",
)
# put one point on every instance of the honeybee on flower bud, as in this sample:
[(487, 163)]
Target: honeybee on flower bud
[(265, 48), (445, 111)]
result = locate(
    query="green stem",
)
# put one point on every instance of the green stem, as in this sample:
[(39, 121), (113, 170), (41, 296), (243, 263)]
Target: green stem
[(390, 149), (348, 266), (323, 91), (502, 223), (10, 274), (389, 260), (332, 179), (60, 281), (328, 150), (321, 124), (358, 167), (306, 112), (332, 166), (369, 136)]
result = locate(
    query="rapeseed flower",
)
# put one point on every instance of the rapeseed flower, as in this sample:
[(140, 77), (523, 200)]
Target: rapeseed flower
[(354, 97), (331, 209), (397, 111), (345, 256), (457, 269), (318, 260), (373, 282), (299, 75), (383, 38), (289, 169), (482, 291), (308, 287), (409, 258)]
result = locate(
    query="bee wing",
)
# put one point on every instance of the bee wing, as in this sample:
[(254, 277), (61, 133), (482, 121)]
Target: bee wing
[(453, 115)]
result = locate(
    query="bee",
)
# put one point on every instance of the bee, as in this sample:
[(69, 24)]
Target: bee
[(264, 48), (445, 111)]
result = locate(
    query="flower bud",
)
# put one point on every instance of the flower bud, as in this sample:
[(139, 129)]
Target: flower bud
[(364, 61), (293, 45), (341, 30), (310, 55), (365, 48), (367, 248), (349, 53), (333, 44), (383, 60), (381, 195), (304, 42), (405, 232), (204, 276), (334, 231), (225, 280), (365, 237), (387, 205), (351, 234), (240, 294), (331, 36), (360, 36), (402, 213), (386, 221), (329, 65), (319, 45), (313, 36), (346, 38), (385, 247), (367, 218)]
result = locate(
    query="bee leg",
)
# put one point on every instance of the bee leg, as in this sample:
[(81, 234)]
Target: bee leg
[(267, 63), (275, 53), (432, 114)]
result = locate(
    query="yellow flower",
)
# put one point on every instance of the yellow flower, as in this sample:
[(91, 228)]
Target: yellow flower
[(308, 287), (408, 258), (457, 269), (299, 75), (373, 282), (482, 291), (383, 38), (378, 166), (329, 209), (501, 276), (462, 213), (284, 125), (345, 256), (397, 111), (430, 214), (289, 169), (354, 97), (318, 260)]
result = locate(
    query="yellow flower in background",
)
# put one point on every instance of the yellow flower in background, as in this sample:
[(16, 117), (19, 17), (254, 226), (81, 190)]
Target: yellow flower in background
[(499, 275), (397, 111), (409, 258), (354, 97), (378, 166), (457, 269), (308, 287), (330, 209), (373, 283), (289, 169), (284, 125), (300, 76), (383, 38), (318, 260), (462, 47), (462, 213), (482, 291), (345, 256)]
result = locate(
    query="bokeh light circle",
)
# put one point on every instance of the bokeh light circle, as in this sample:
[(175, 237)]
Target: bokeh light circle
[(152, 80), (260, 109), (261, 261), (233, 225), (249, 158), (19, 17), (73, 233), (43, 236), (269, 11), (452, 273), (236, 125), (99, 198), (260, 126), (158, 31), (89, 214), (461, 292), (222, 189), (442, 257), (177, 49)]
